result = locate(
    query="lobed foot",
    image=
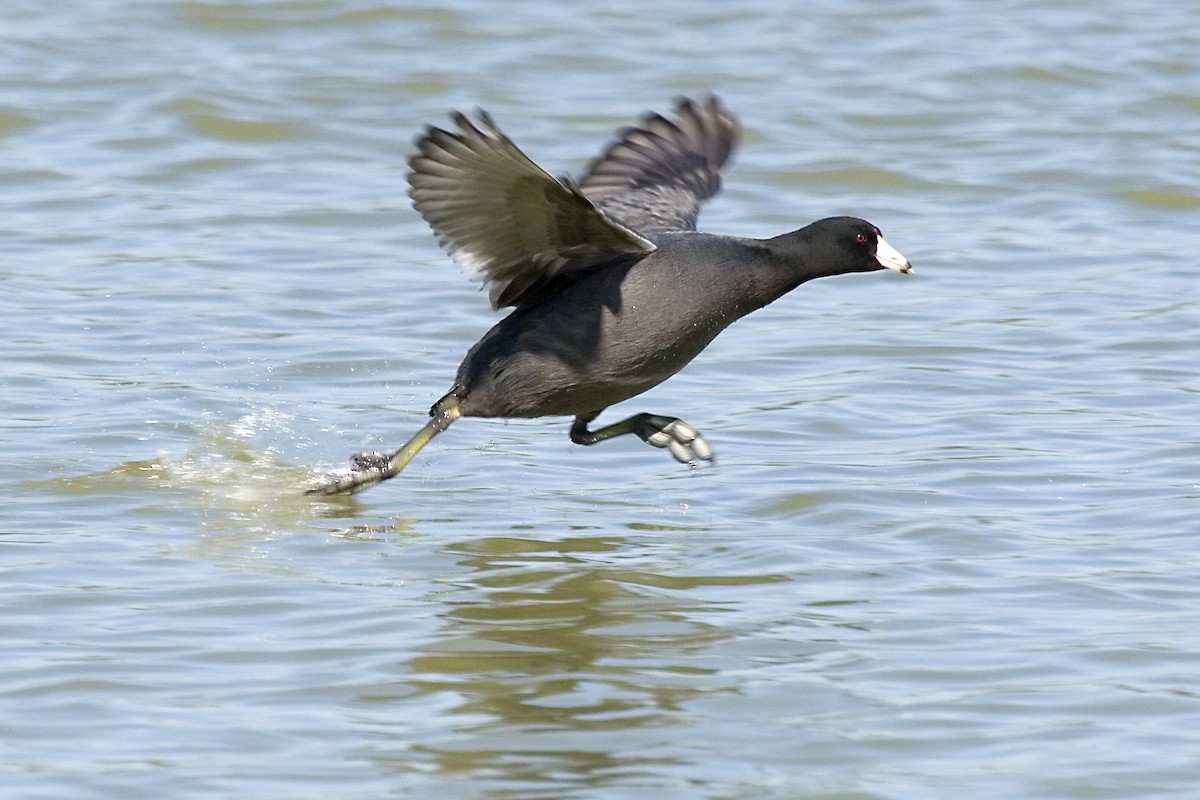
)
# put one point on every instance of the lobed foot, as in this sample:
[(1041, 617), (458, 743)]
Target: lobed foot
[(682, 440), (371, 460), (367, 469)]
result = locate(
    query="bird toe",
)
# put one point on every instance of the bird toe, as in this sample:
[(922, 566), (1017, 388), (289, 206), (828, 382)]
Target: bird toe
[(682, 441), (368, 461)]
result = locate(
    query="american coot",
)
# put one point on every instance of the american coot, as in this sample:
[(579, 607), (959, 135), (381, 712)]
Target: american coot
[(613, 288)]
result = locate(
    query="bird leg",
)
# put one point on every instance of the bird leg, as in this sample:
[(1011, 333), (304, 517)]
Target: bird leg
[(372, 468), (682, 440)]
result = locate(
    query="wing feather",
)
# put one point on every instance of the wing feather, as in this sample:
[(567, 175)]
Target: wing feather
[(506, 221), (659, 172)]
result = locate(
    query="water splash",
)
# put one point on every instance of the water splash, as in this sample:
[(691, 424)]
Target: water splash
[(233, 470)]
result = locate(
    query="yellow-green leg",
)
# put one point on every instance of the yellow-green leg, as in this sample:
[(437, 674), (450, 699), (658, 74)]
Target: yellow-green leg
[(372, 468)]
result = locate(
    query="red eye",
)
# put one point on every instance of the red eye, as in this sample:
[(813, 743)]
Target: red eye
[(860, 238)]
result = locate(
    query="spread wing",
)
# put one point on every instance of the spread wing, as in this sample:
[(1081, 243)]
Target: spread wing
[(657, 174), (506, 221)]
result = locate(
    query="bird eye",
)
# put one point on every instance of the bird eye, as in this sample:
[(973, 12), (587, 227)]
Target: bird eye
[(860, 238)]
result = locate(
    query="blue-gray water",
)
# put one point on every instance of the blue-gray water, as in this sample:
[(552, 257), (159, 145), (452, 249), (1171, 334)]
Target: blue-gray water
[(949, 549)]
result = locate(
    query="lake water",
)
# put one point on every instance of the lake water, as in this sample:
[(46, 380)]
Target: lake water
[(949, 548)]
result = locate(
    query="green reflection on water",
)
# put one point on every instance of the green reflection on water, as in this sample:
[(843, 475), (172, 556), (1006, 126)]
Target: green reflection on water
[(550, 663)]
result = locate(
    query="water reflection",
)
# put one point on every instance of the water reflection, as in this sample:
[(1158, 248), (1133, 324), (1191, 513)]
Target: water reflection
[(551, 652)]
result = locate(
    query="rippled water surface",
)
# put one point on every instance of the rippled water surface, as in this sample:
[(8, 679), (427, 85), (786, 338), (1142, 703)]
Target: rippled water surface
[(949, 548)]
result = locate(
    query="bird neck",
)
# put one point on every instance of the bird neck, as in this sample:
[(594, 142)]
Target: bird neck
[(777, 266)]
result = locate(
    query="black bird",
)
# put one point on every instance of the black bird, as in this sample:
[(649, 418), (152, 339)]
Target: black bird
[(613, 288)]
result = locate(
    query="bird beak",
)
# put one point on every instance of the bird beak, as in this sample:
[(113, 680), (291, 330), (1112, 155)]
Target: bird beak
[(890, 257)]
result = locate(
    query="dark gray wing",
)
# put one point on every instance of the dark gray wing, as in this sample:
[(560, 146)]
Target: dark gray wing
[(503, 219), (655, 177)]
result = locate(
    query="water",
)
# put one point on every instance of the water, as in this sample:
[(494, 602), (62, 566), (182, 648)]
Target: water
[(949, 547)]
